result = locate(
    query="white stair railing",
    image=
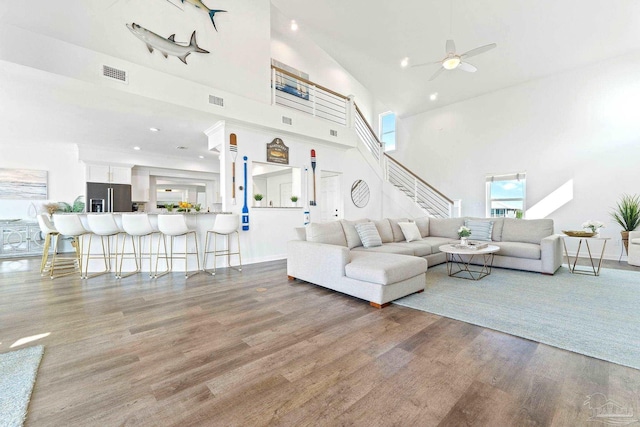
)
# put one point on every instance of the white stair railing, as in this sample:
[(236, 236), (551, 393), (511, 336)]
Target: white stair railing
[(423, 194)]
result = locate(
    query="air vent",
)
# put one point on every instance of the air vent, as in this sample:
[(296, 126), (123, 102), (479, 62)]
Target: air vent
[(333, 132), (287, 120), (216, 100), (115, 74)]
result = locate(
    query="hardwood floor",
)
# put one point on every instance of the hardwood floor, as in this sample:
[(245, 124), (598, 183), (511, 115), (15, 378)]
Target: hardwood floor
[(252, 348)]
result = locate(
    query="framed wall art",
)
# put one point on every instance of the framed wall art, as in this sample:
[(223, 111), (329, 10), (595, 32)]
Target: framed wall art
[(23, 184)]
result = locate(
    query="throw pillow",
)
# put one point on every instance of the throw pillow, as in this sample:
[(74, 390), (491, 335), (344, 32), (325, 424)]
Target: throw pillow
[(396, 231), (410, 230), (369, 234), (480, 230), (353, 240)]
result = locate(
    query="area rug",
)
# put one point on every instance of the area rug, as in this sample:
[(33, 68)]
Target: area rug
[(18, 371), (594, 316)]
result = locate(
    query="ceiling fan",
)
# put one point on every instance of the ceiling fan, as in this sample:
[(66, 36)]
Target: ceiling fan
[(454, 61)]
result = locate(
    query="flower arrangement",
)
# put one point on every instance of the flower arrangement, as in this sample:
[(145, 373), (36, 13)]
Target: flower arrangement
[(51, 208), (464, 231), (257, 197), (294, 199), (184, 207), (594, 226)]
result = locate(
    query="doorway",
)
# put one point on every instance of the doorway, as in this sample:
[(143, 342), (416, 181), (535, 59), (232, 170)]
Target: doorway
[(330, 196)]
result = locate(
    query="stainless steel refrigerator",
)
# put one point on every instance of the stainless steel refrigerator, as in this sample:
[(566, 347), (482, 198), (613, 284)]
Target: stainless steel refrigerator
[(109, 197)]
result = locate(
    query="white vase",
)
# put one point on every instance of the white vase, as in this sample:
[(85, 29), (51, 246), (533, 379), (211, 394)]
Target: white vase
[(464, 241), (258, 203), (294, 204)]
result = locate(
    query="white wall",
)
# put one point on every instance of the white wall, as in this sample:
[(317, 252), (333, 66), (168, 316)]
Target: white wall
[(239, 51), (270, 229), (65, 174), (299, 51), (579, 128)]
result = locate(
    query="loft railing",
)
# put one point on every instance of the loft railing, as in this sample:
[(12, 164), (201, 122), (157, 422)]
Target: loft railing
[(289, 90), (423, 194), (292, 91)]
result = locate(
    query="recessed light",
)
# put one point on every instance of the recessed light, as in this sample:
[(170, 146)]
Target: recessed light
[(404, 62), (433, 96), (294, 25), (202, 157), (154, 129), (181, 147), (136, 148)]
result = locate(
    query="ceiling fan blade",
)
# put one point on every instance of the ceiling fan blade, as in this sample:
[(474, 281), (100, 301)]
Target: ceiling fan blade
[(450, 47), (425, 63), (478, 50), (465, 66), (437, 73)]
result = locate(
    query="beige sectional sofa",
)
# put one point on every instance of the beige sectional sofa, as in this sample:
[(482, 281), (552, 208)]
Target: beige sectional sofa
[(331, 254)]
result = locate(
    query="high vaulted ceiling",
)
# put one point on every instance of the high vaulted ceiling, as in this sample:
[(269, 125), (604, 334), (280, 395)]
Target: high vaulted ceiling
[(534, 39), (369, 38)]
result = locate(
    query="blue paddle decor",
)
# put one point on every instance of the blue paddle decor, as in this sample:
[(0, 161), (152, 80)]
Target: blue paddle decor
[(245, 208)]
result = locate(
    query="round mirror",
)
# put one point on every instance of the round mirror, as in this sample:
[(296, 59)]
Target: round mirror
[(360, 193)]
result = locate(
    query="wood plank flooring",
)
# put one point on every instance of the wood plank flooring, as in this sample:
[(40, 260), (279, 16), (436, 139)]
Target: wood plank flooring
[(254, 349)]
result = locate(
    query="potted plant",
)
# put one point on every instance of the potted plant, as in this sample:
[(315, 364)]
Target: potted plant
[(294, 201), (258, 198), (77, 206), (627, 214), (464, 233)]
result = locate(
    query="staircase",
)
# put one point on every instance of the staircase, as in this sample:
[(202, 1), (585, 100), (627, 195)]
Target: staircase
[(429, 199), (308, 97)]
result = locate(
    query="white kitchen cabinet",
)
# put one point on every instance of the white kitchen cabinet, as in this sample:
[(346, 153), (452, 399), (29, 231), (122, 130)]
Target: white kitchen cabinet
[(108, 174)]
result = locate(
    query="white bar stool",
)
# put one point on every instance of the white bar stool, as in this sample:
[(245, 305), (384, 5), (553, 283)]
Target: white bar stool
[(51, 234), (138, 225), (70, 225), (175, 225), (103, 225), (224, 225)]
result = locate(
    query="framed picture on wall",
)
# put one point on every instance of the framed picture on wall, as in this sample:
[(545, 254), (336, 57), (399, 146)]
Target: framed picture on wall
[(23, 184)]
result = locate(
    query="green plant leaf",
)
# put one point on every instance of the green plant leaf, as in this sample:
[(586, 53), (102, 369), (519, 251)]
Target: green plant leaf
[(627, 212)]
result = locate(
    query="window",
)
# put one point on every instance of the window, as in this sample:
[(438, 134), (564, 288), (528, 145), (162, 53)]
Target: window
[(388, 130), (506, 195)]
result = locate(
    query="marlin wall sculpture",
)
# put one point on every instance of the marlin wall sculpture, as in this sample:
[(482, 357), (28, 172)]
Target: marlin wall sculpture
[(167, 46), (211, 12)]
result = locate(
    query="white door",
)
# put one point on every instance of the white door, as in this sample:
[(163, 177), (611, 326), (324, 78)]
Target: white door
[(285, 194), (329, 200)]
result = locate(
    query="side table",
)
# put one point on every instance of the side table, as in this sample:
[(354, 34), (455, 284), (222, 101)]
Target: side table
[(593, 271)]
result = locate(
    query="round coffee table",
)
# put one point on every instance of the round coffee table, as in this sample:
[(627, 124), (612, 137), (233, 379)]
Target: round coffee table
[(460, 257)]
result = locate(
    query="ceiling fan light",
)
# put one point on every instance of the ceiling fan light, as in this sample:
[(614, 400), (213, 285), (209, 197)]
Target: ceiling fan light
[(451, 63)]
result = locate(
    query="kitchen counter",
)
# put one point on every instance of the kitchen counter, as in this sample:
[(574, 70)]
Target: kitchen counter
[(201, 222)]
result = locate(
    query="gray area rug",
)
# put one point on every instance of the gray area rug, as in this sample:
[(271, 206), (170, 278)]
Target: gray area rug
[(594, 316), (18, 371)]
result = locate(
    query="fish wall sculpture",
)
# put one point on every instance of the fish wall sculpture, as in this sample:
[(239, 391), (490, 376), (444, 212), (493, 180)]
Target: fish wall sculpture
[(201, 6), (167, 46)]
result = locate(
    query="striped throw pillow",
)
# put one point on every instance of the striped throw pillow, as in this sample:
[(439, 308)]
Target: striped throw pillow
[(369, 234), (480, 230)]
